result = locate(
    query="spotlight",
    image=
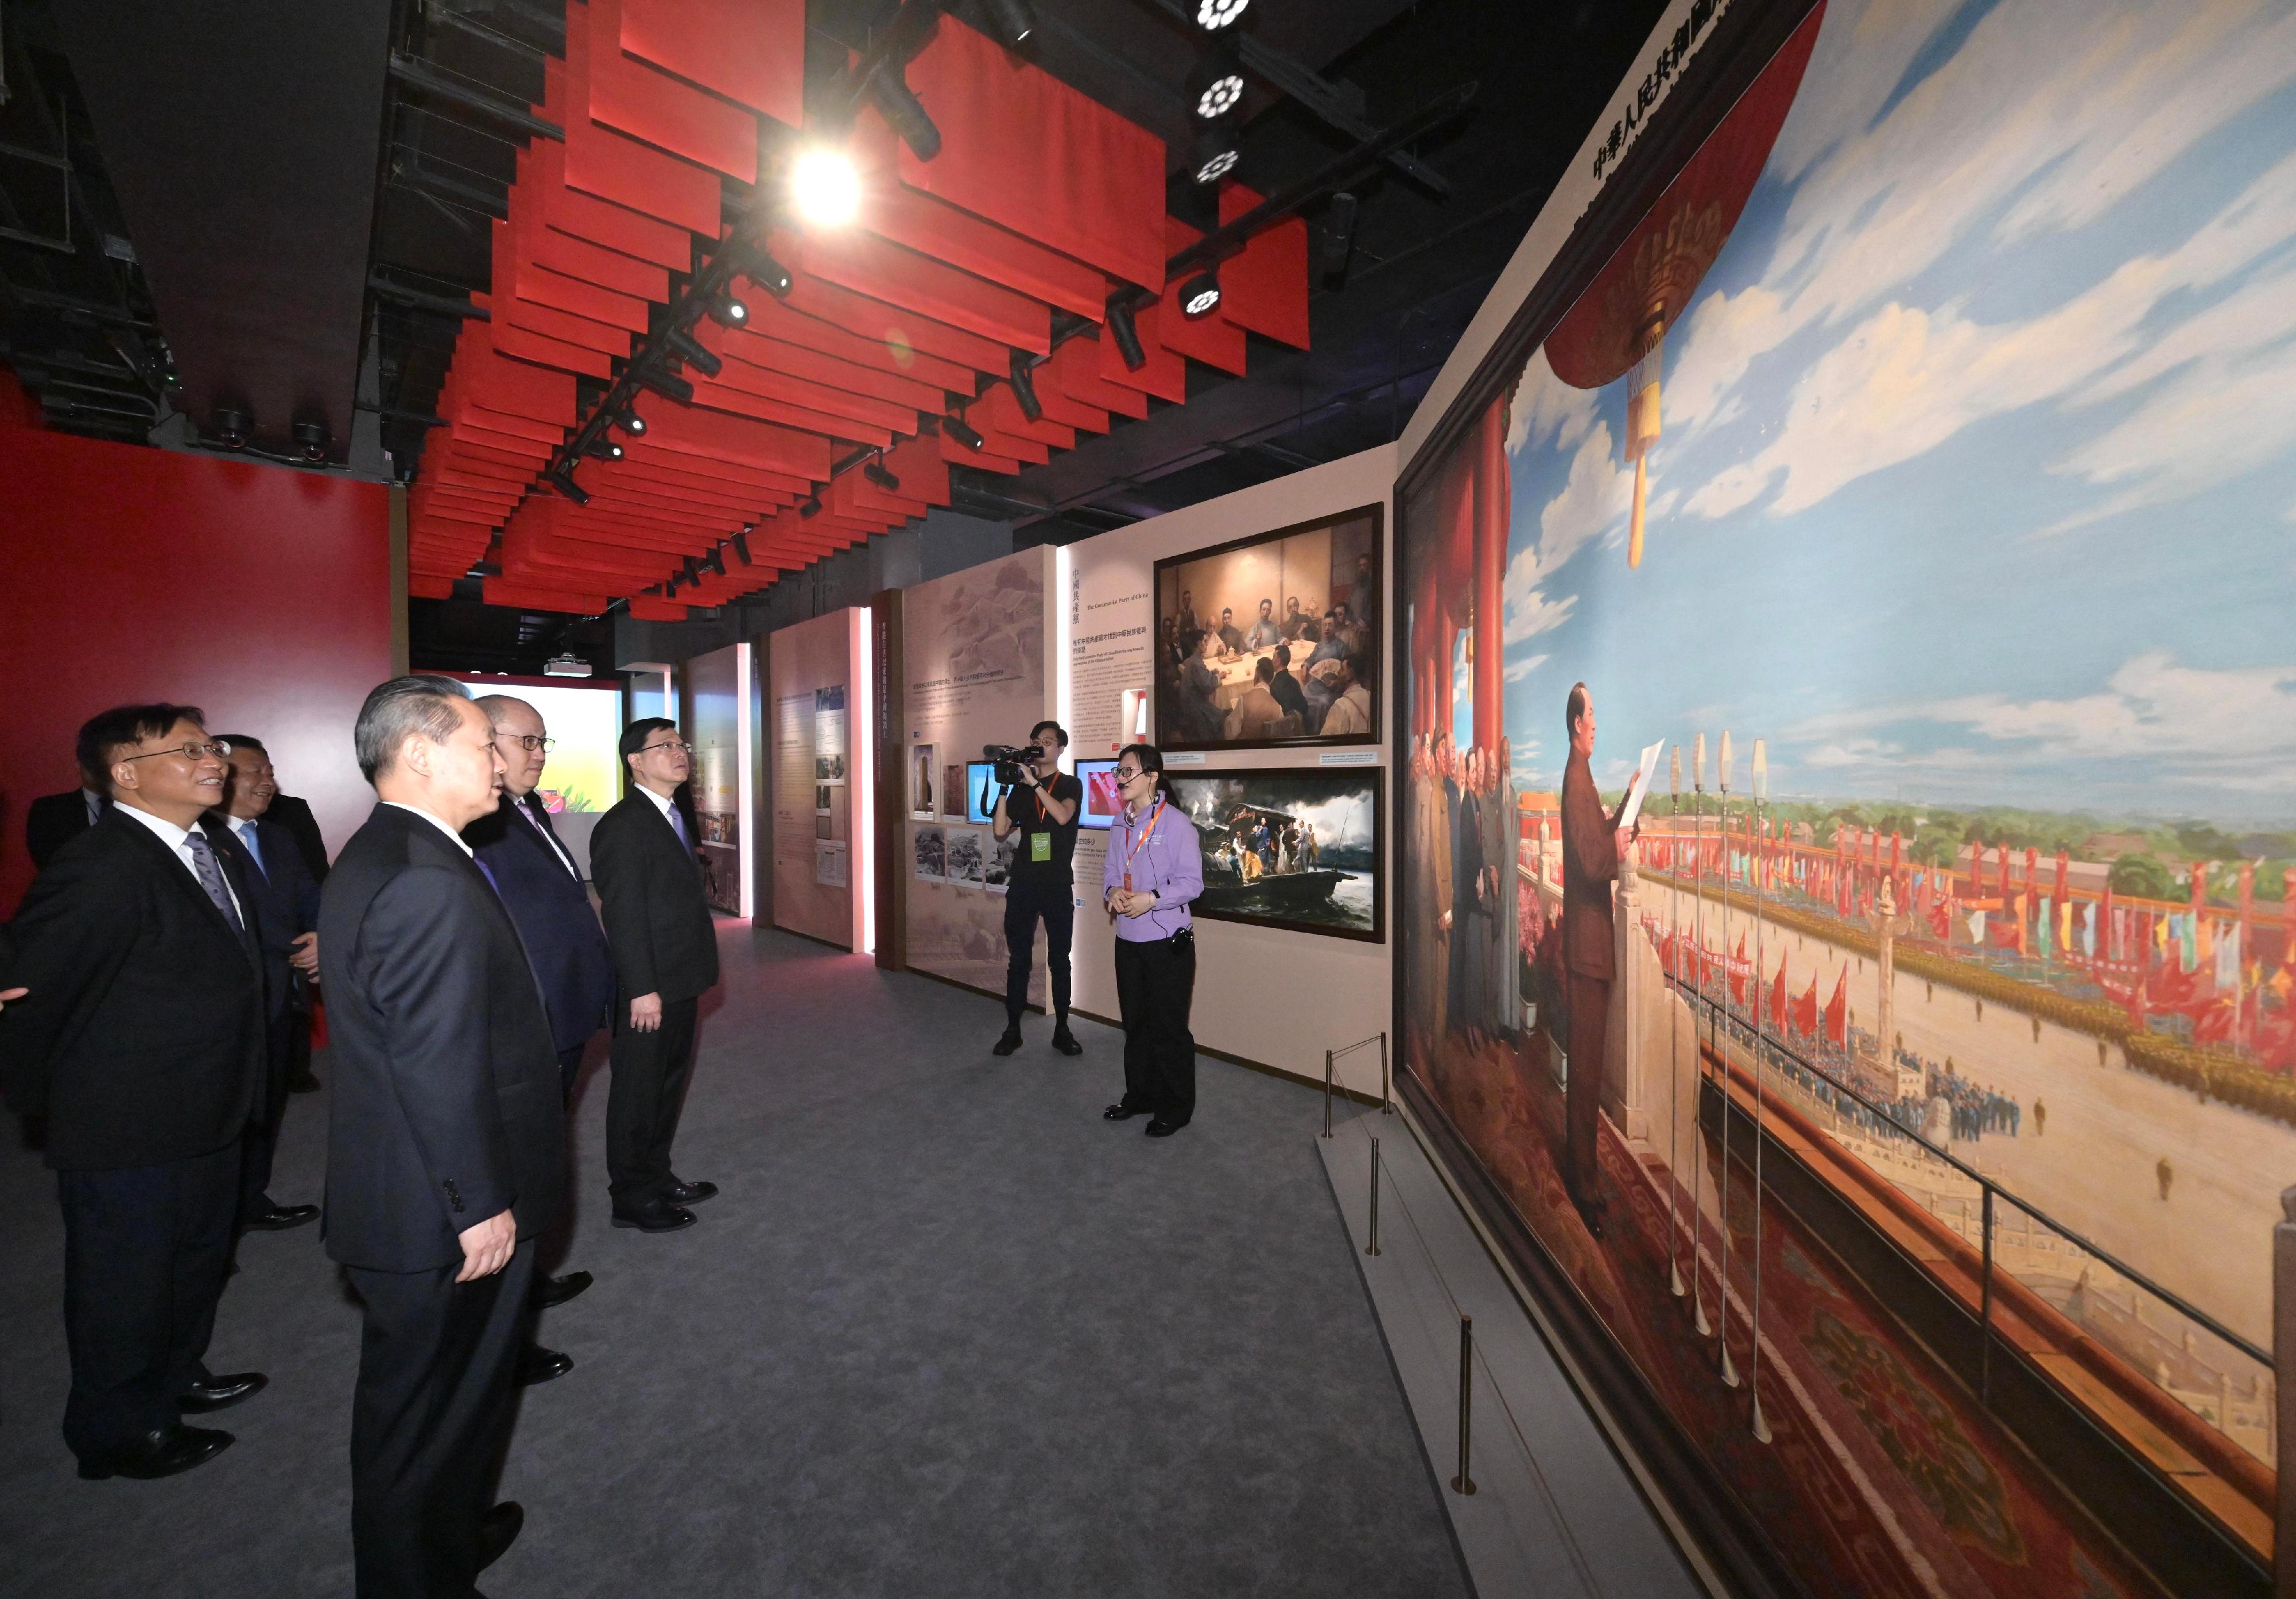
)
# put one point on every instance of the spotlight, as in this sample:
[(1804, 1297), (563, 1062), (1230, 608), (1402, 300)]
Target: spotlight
[(1126, 333), (630, 422), (906, 113), (741, 542), (824, 185), (1215, 84), (692, 571), (564, 483), (963, 433), (604, 449), (311, 437), (231, 425), (1212, 15), (1024, 387), (726, 311), (689, 350), (1014, 20), (1200, 296), (809, 506), (670, 586), (1214, 154), (667, 384), (715, 561), (1339, 234), (876, 473), (764, 271)]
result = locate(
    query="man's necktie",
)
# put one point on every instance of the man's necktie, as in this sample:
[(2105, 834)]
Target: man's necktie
[(247, 837), (527, 807), (210, 875), (678, 825)]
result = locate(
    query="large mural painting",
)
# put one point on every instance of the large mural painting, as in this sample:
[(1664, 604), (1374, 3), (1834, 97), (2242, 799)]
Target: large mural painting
[(1920, 476)]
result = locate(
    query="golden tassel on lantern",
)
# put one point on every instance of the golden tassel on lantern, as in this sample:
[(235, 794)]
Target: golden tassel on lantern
[(1642, 420)]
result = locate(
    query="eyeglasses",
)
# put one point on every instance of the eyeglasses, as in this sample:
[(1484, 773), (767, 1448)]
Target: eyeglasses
[(1124, 776), (528, 740), (675, 743), (219, 748)]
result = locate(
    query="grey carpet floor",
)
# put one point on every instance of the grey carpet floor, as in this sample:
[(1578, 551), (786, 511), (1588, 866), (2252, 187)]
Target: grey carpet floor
[(945, 1332)]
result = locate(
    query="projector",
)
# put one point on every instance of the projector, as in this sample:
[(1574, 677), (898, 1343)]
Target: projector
[(566, 666)]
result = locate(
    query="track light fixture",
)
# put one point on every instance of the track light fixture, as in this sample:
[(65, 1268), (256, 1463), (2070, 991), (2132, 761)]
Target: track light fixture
[(604, 449), (1339, 234), (670, 586), (1126, 333), (741, 543), (825, 185), (1014, 20), (955, 427), (231, 426), (667, 384), (1024, 385), (749, 261), (564, 483), (1200, 296), (689, 350), (1212, 15), (628, 420), (906, 113), (692, 570), (1214, 153), (726, 311), (311, 440), (715, 561), (1215, 85), (874, 471), (809, 506)]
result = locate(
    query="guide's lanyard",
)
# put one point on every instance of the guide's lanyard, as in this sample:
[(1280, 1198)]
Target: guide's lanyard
[(1155, 816)]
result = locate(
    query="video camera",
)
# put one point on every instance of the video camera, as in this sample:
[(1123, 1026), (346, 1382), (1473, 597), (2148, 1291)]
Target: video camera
[(1009, 760)]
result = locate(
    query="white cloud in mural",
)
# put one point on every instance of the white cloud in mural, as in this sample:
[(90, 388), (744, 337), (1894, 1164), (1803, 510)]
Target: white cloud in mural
[(1528, 611), (1546, 408), (1517, 671), (1596, 498)]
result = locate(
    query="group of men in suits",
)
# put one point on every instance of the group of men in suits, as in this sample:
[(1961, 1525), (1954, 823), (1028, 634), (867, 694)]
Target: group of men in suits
[(152, 982)]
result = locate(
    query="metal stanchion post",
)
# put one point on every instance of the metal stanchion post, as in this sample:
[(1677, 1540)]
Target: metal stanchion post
[(1372, 1248), (1985, 1311), (1386, 1089), (1725, 1035), (1463, 1483), (2283, 1350), (1327, 1093)]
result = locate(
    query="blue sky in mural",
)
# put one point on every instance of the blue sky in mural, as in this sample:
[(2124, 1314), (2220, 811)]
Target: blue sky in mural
[(1977, 481)]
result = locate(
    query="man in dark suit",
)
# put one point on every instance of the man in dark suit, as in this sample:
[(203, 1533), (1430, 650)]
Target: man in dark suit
[(1592, 845), (665, 959), (287, 926), (447, 1147), (142, 1043), (295, 815), (542, 888), (52, 821)]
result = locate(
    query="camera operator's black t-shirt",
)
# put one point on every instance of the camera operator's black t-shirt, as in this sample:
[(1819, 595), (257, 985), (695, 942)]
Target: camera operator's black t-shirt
[(1030, 823)]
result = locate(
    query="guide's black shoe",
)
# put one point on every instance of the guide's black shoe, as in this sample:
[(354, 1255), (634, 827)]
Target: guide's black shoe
[(1065, 1041), (1006, 1045)]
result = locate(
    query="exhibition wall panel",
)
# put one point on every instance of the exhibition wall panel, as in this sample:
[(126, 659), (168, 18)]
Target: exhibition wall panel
[(1271, 988), (819, 777), (719, 725), (259, 593), (977, 647)]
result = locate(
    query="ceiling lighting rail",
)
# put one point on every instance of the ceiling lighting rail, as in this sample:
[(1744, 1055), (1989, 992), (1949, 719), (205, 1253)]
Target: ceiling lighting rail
[(431, 79)]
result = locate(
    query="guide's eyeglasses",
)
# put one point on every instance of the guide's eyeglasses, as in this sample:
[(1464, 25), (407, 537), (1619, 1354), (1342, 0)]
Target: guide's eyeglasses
[(675, 743), (219, 748), (1123, 776), (529, 741)]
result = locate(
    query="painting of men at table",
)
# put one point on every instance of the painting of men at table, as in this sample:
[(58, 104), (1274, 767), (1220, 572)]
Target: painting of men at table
[(1272, 640)]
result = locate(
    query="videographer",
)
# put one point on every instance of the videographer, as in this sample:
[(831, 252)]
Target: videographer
[(1044, 814)]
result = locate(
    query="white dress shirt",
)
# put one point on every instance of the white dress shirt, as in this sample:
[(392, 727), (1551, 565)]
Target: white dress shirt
[(178, 842), (416, 810), (661, 802)]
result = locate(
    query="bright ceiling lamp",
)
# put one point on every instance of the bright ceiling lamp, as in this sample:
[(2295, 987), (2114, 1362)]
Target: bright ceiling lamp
[(825, 187), (1220, 96), (1200, 296), (1214, 153), (1212, 15)]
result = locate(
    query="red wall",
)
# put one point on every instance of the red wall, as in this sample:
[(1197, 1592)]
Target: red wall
[(259, 594)]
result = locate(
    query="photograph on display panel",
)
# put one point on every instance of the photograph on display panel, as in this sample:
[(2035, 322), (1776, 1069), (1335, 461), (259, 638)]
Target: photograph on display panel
[(967, 857), (1291, 847), (924, 770), (1865, 479), (1272, 640), (1101, 801), (931, 849)]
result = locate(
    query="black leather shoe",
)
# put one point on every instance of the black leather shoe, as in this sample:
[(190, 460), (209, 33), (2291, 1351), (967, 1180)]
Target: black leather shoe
[(1006, 1045), (162, 1452), (556, 1291), (538, 1365), (305, 1084), (1065, 1041), (660, 1217), (278, 1218), (1121, 1112), (499, 1530), (220, 1393), (688, 1193), (1158, 1127)]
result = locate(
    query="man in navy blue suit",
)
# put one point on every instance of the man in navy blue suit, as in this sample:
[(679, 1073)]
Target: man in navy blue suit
[(542, 888), (287, 931)]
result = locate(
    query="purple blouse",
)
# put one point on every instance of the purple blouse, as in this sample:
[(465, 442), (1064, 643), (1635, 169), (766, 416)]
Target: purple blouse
[(1170, 864)]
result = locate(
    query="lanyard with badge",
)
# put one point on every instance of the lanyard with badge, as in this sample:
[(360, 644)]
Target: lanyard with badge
[(1141, 839), (1040, 841)]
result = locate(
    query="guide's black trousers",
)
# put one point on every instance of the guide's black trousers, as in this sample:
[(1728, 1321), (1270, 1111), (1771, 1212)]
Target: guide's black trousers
[(1025, 902), (1155, 984)]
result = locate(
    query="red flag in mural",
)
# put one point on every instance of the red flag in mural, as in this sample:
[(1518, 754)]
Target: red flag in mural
[(1837, 1011), (1778, 997), (1805, 1010), (1738, 973)]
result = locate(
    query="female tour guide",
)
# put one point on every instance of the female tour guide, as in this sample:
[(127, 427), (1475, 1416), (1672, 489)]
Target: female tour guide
[(1155, 867)]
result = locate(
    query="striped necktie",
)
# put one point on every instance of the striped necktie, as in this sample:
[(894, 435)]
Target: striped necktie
[(210, 876)]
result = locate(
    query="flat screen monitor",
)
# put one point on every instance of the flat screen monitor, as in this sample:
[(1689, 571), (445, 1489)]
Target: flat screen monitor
[(1100, 801), (980, 791)]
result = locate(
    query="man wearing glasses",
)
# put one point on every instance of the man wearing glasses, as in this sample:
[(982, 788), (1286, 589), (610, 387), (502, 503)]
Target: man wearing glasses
[(665, 949), (142, 1042), (542, 888)]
